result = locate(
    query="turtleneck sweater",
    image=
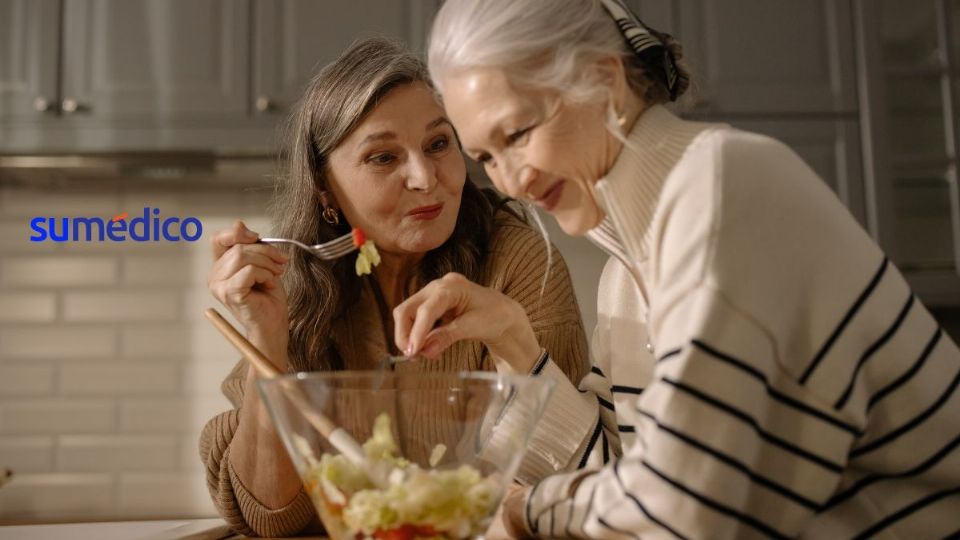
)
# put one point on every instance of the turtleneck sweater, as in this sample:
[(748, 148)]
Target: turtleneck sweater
[(797, 387)]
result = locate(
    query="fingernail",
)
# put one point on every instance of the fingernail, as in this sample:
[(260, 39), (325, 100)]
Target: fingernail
[(251, 234), (409, 350)]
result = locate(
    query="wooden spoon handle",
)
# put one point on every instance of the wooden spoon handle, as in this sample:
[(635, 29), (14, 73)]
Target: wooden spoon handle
[(339, 438), (267, 370), (264, 367)]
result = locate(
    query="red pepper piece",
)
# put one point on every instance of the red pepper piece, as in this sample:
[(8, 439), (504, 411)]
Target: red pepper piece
[(359, 238)]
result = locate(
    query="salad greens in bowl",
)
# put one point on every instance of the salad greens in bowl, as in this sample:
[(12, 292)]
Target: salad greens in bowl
[(444, 447)]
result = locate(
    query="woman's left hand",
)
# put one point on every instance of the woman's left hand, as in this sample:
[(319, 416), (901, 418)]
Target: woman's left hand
[(453, 308)]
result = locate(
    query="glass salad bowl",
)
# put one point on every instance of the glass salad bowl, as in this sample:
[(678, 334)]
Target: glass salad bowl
[(440, 448)]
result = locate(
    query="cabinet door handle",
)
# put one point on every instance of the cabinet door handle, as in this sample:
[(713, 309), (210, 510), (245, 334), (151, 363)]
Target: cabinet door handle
[(42, 104), (71, 105)]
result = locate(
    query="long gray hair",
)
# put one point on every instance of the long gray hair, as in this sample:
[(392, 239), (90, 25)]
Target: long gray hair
[(547, 44), (334, 103)]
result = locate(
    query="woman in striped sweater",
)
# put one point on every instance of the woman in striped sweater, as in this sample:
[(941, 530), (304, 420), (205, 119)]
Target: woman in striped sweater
[(799, 388)]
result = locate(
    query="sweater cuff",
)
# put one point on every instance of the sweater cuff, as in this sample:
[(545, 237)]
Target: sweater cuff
[(568, 420), (546, 496), (287, 520)]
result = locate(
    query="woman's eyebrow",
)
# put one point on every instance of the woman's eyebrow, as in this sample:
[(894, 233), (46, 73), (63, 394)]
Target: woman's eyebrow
[(378, 136), (388, 135), (440, 120)]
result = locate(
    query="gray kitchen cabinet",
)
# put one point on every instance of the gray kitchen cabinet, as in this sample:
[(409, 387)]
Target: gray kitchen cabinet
[(293, 38), (778, 67), (160, 60), (909, 60), (29, 45), (769, 56), (130, 75), (659, 14), (174, 74)]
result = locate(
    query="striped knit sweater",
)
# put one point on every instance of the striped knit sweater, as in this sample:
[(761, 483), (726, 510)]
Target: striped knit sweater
[(799, 387), (515, 265)]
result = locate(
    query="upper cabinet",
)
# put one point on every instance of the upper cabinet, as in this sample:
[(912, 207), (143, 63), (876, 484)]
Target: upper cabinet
[(294, 38), (29, 52), (89, 75), (910, 76), (163, 59), (866, 91), (779, 67), (770, 56)]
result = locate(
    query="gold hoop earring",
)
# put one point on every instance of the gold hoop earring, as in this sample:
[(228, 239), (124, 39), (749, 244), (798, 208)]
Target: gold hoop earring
[(331, 216), (330, 213)]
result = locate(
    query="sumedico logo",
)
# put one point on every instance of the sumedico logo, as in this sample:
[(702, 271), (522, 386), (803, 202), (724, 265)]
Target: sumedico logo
[(150, 227)]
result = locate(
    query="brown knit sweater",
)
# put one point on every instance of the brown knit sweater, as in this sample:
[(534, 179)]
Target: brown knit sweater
[(515, 266)]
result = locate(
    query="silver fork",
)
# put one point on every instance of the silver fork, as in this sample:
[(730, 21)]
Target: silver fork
[(334, 249)]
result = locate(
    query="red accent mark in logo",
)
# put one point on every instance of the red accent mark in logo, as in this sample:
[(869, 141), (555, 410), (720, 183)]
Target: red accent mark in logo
[(120, 216)]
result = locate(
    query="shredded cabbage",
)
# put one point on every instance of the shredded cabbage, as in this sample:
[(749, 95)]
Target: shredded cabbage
[(416, 503)]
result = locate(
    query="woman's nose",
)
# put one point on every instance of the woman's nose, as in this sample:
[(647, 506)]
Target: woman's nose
[(516, 178), (421, 174), (526, 177)]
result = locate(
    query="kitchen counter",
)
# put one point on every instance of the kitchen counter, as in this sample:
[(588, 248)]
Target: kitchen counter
[(193, 529)]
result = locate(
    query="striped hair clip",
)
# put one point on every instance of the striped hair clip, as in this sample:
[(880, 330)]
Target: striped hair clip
[(648, 47)]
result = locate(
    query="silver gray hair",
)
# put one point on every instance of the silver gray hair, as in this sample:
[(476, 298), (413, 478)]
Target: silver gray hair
[(546, 44)]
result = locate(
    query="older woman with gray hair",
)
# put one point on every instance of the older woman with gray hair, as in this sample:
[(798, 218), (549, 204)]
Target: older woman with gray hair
[(370, 147), (799, 388)]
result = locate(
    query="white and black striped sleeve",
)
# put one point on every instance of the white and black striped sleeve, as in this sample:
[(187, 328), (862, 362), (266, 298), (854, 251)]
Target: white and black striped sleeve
[(578, 428), (728, 445)]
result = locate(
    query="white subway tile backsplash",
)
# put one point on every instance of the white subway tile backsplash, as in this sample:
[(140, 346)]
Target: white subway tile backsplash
[(57, 496), (134, 201), (200, 378), (60, 416), (15, 239), (174, 494), (108, 369), (196, 301), (121, 306), (178, 414), (155, 415), (126, 247), (27, 307), (27, 454), (190, 455), (153, 271), (58, 342), (118, 378), (105, 453), (207, 345), (247, 205), (58, 271), (26, 380), (155, 340)]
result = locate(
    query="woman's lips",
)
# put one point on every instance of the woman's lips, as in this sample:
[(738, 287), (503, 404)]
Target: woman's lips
[(426, 213), (549, 200)]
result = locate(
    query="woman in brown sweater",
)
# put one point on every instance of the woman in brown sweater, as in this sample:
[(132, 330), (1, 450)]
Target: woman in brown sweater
[(371, 147)]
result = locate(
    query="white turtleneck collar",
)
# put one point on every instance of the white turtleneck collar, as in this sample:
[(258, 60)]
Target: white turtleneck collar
[(629, 192)]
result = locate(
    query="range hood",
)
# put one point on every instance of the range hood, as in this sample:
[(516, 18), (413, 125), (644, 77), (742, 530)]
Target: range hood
[(153, 168)]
